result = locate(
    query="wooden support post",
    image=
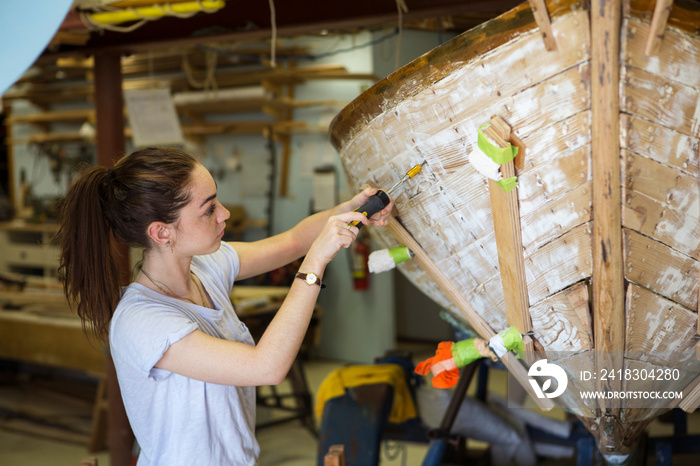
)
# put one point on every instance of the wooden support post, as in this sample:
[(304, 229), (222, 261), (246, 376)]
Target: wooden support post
[(100, 409), (662, 10), (286, 138), (109, 103), (539, 11), (509, 242), (608, 293), (477, 322)]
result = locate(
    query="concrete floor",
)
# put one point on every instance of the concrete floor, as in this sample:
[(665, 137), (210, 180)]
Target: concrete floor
[(288, 444)]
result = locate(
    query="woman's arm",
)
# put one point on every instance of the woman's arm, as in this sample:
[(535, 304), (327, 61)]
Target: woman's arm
[(202, 357), (276, 251)]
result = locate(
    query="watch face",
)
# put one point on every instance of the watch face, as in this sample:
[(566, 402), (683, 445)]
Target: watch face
[(311, 278)]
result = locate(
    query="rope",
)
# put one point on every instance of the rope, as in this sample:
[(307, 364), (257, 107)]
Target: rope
[(273, 26), (209, 82), (402, 8)]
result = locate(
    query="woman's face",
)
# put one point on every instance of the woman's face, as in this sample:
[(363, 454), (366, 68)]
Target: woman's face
[(202, 221)]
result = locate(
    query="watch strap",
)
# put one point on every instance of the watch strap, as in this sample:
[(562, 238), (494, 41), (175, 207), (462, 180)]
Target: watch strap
[(303, 275)]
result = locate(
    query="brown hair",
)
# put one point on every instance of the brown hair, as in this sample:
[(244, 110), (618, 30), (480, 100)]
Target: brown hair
[(148, 185)]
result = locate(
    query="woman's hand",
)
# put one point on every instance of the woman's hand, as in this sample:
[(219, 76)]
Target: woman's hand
[(337, 233), (379, 219)]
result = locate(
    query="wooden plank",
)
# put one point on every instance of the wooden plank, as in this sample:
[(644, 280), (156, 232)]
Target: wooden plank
[(663, 145), (506, 223), (661, 222), (75, 90), (58, 341), (661, 100), (487, 299), (562, 322), (473, 318), (559, 264), (662, 10), (555, 218), (539, 11), (661, 269), (659, 329), (482, 257), (661, 202), (87, 114), (677, 58), (607, 279), (540, 185)]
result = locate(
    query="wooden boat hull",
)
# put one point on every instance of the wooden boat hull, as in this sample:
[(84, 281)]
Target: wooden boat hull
[(575, 303)]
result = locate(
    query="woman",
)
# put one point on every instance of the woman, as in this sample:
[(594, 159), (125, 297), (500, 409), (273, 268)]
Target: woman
[(186, 365)]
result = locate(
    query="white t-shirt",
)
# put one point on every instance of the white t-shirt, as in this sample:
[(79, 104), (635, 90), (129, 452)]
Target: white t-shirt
[(178, 420)]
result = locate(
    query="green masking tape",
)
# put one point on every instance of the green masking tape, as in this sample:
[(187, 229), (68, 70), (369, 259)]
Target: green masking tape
[(512, 339), (400, 254), (464, 352), (508, 184), (500, 155)]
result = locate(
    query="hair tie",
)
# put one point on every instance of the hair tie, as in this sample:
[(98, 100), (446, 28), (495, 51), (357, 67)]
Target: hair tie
[(109, 176)]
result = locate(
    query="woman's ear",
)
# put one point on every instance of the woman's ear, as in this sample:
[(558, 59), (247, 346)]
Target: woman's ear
[(160, 233)]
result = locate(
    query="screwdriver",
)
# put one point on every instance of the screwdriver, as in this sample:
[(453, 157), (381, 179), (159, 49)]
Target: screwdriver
[(380, 200)]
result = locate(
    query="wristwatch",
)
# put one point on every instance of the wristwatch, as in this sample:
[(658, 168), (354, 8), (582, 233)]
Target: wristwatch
[(310, 279)]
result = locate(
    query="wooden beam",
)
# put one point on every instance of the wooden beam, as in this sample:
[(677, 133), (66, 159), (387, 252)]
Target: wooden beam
[(44, 117), (110, 146), (662, 10), (608, 292), (608, 286), (475, 320), (54, 341), (539, 11), (509, 242), (232, 77)]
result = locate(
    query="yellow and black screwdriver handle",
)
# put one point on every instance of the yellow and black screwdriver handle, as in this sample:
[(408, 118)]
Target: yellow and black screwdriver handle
[(373, 205), (380, 200)]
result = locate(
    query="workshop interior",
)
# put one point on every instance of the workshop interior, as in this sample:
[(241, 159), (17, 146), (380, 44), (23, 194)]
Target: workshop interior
[(534, 297)]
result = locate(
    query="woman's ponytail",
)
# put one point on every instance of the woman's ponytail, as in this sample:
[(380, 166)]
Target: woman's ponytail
[(87, 265)]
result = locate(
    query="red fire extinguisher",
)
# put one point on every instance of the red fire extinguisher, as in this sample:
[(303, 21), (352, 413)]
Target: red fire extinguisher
[(360, 257)]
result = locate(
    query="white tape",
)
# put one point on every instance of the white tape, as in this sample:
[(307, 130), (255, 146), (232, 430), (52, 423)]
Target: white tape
[(380, 261), (484, 165), (497, 345)]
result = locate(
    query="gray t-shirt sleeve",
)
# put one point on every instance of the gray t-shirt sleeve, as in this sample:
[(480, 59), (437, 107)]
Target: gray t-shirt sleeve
[(145, 331)]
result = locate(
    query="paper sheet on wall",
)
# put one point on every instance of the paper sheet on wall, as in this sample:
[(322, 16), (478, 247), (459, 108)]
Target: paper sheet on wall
[(152, 117), (324, 185), (313, 153)]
